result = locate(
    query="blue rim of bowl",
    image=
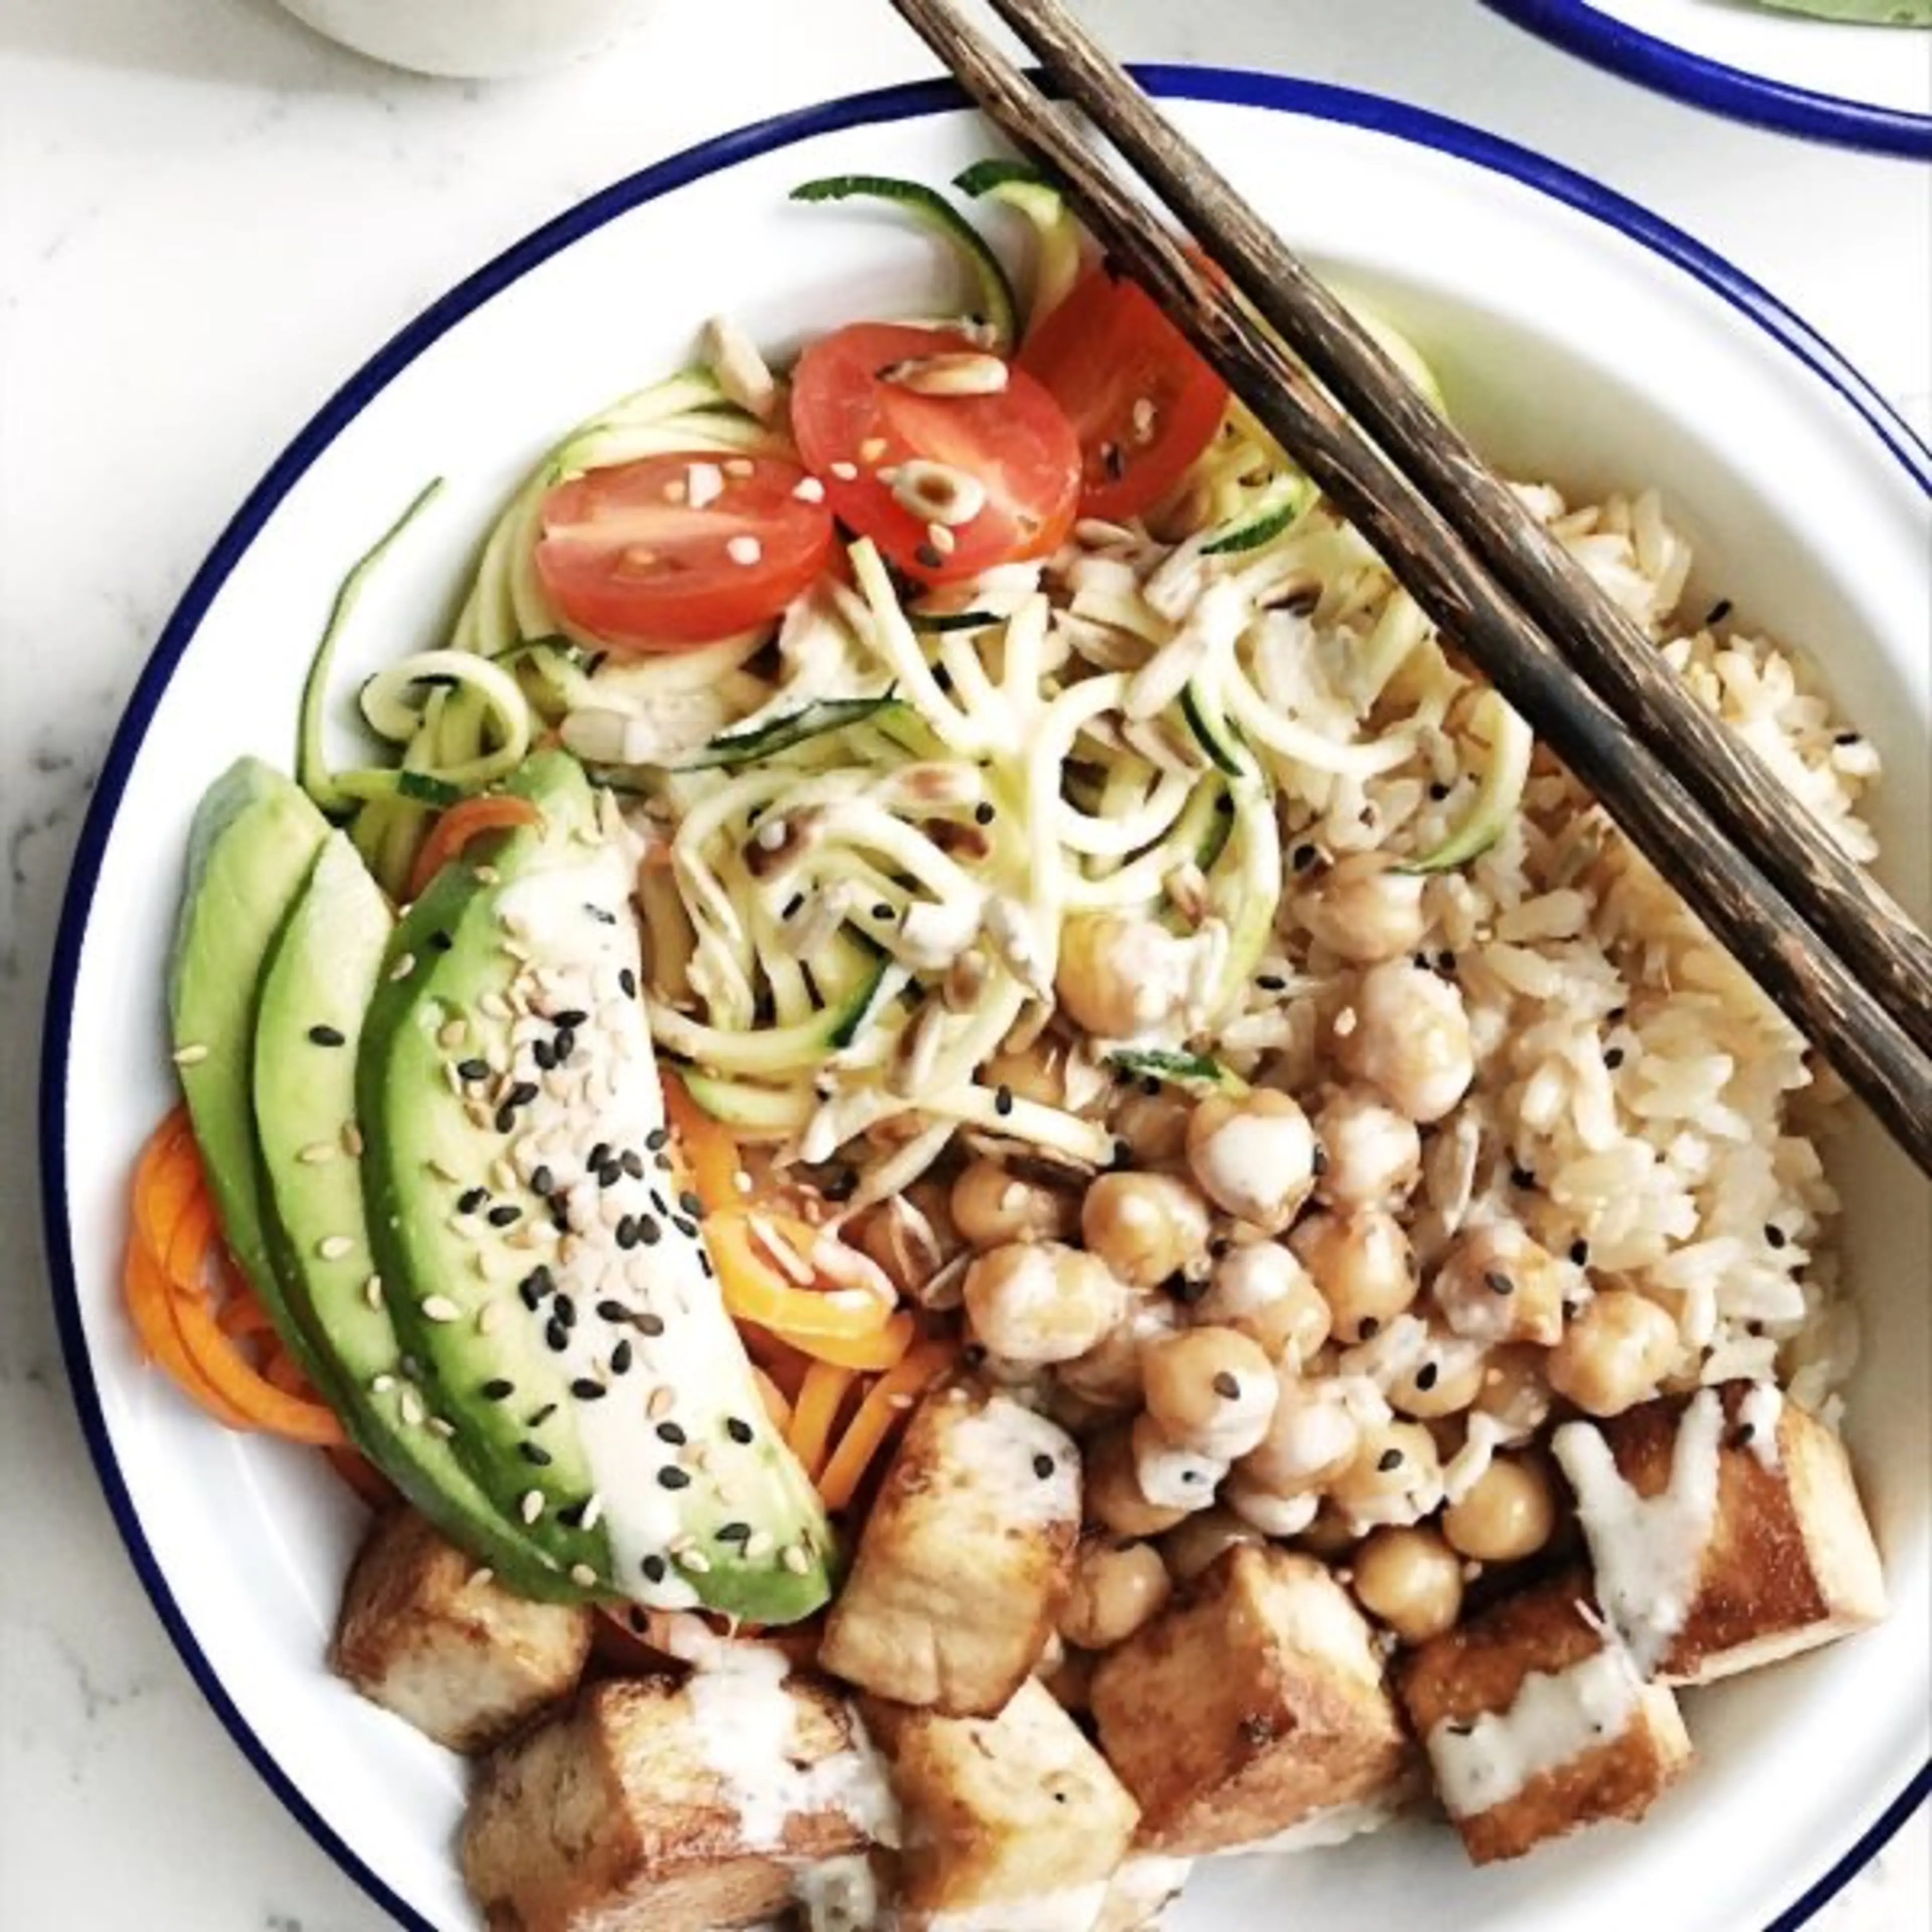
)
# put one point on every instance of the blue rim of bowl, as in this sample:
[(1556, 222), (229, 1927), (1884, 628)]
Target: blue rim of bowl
[(911, 101), (1612, 44)]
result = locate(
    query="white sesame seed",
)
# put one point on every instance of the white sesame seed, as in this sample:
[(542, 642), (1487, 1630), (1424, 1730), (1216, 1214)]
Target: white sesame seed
[(481, 1579), (486, 875), (316, 1152), (382, 1384), (333, 1247), (489, 1318), (680, 1542), (846, 472), (593, 1510), (1145, 415), (531, 1507), (452, 1033), (411, 1405), (351, 1139), (872, 449), (584, 1576), (941, 539), (661, 1404), (443, 1171), (677, 490), (740, 466), (406, 964), (191, 1055), (795, 1560), (440, 1308), (759, 1543), (809, 490), (372, 1291), (503, 1175), (744, 551), (441, 1427), (495, 1005)]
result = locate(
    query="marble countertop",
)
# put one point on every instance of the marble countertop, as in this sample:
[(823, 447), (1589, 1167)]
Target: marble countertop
[(207, 217)]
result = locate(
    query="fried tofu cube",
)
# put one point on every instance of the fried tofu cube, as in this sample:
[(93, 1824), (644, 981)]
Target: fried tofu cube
[(1786, 1560), (659, 1806), (1014, 1821), (1254, 1701), (1536, 1722), (428, 1633), (964, 1559)]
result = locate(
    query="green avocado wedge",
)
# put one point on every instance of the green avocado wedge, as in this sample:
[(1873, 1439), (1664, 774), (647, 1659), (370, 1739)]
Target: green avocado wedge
[(539, 1262), (322, 971), (254, 841), (1864, 12)]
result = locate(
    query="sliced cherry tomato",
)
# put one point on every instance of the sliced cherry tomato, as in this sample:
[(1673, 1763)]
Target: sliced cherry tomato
[(1145, 405), (627, 557), (856, 431)]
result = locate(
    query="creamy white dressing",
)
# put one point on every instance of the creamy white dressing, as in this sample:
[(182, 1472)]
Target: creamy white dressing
[(1648, 1552), (1003, 1448), (1171, 1476), (1335, 1826), (1071, 1908), (1239, 1421), (1273, 1515), (1467, 1467), (1555, 1717), (839, 1895), (1760, 1413)]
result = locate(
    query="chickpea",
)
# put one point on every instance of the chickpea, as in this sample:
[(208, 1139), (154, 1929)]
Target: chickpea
[(1145, 1227), (1396, 1476), (1191, 1548), (1070, 1680), (1112, 1489), (1153, 1125), (1313, 1438), (1259, 1290), (1372, 1156), (1411, 1580), (1364, 910), (1615, 1354), (1444, 1380), (1253, 1157), (1109, 1374), (1273, 1515), (991, 1207), (1515, 1388), (1409, 1038), (911, 1237), (1362, 1265), (1036, 1073), (1117, 1586), (1210, 1390), (1506, 1514), (1495, 1284), (1119, 976), (1033, 1302), (1172, 1476)]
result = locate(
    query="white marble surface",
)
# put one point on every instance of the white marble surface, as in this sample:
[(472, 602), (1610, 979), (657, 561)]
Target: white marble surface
[(207, 217)]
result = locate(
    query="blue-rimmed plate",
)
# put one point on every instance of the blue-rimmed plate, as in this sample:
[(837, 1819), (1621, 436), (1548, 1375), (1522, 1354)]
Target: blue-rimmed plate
[(1863, 85), (1578, 338)]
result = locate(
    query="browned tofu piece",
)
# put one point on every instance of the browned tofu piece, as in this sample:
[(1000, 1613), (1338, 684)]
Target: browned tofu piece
[(427, 1633), (1535, 1722), (1253, 1701), (963, 1562), (1013, 1820), (658, 1806), (1788, 1562)]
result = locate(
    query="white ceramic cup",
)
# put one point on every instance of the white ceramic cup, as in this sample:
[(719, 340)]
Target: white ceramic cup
[(472, 39)]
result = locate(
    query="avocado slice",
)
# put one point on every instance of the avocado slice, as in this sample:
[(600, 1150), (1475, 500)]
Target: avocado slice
[(254, 843), (540, 1265), (322, 972)]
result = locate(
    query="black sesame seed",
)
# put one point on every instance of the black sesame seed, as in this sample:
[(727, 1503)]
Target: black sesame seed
[(1845, 738), (556, 1336), (599, 1154), (1580, 1253), (1614, 1058), (505, 1121), (674, 1478), (1421, 962), (473, 1069), (842, 1185), (1302, 857), (688, 1229), (603, 915), (1390, 1459), (538, 1417), (572, 1517), (530, 1292), (1428, 1375), (627, 1232), (521, 1094), (328, 1036), (621, 1357), (564, 1044), (1043, 1465), (535, 1453), (1318, 1160), (1775, 1236), (543, 1181), (653, 1567), (973, 1356), (1003, 1101), (691, 1205), (543, 1053), (740, 1431), (632, 1162), (983, 814), (734, 1532), (585, 1390), (657, 1139), (1439, 791), (1497, 1282), (1522, 1176), (1272, 982), (673, 1433), (1744, 1436), (1368, 1328), (1718, 611), (627, 983), (662, 1161), (570, 1016), (440, 942), (505, 1214), (1445, 960), (1616, 1015), (470, 1199), (1150, 1087), (497, 1389), (613, 1311), (1227, 1386), (566, 1311), (648, 1325)]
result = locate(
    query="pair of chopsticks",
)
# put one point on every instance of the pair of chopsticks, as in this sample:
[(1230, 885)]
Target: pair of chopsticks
[(1825, 942)]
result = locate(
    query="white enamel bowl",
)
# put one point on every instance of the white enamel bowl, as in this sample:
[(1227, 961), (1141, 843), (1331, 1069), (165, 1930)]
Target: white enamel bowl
[(1578, 339), (1862, 86)]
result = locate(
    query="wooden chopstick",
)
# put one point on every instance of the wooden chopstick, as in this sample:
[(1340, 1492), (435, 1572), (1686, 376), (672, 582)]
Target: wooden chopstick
[(1791, 959), (1736, 788)]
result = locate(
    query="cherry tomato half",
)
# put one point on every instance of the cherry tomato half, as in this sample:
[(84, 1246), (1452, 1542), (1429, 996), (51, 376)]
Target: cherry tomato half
[(627, 556), (1144, 403), (1016, 446)]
